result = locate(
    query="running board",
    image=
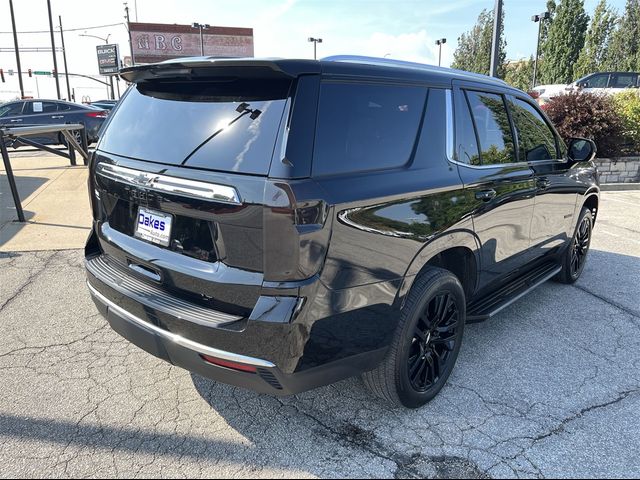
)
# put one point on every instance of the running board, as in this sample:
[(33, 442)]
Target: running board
[(487, 307)]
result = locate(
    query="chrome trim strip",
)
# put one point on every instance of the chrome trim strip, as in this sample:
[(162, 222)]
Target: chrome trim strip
[(451, 148), (177, 339), (165, 183)]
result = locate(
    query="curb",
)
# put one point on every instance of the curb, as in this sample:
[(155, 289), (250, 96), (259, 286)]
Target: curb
[(617, 187)]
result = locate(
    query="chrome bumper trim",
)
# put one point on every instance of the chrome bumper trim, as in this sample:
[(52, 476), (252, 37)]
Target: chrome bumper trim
[(177, 339)]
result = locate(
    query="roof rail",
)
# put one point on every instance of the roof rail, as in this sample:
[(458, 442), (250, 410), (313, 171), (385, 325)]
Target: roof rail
[(389, 62)]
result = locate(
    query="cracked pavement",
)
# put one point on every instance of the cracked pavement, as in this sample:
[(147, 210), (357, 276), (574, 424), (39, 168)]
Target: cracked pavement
[(548, 388)]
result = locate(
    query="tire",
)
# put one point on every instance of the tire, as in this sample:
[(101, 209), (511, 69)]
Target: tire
[(575, 255), (421, 356)]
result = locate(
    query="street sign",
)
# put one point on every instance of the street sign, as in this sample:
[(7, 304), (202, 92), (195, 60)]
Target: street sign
[(40, 72), (108, 59)]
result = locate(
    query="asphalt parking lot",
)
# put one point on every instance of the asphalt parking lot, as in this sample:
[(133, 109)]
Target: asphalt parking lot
[(549, 388)]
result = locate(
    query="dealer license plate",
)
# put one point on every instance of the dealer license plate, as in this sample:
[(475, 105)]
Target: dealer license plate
[(153, 226)]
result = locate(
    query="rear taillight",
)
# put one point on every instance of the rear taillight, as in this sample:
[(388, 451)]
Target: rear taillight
[(102, 114), (296, 233)]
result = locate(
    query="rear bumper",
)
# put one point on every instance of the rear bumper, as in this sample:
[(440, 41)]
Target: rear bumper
[(187, 353)]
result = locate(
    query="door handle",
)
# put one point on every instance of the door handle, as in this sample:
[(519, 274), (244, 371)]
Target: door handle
[(57, 116), (16, 120), (543, 183), (486, 195)]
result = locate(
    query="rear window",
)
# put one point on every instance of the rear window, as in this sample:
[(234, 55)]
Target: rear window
[(222, 124), (366, 127)]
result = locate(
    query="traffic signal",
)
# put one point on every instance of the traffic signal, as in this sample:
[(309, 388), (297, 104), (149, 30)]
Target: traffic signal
[(29, 71), (2, 75), (54, 74)]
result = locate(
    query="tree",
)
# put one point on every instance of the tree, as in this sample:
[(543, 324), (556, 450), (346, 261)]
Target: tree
[(564, 41), (520, 73), (474, 47), (593, 55), (624, 49)]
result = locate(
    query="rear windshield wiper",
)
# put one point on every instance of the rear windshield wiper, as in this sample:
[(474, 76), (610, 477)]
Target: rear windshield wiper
[(244, 110)]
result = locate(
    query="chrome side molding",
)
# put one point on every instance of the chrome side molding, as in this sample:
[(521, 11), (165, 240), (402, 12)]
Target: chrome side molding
[(165, 183)]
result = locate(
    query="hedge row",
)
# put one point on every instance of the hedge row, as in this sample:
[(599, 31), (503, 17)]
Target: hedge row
[(612, 121)]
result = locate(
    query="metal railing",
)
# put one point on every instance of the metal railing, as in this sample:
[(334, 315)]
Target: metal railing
[(22, 134)]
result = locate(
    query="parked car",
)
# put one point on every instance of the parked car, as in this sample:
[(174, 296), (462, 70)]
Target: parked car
[(603, 82), (280, 225), (104, 104), (43, 112)]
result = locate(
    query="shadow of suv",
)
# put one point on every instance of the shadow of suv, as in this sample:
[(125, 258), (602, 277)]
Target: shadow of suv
[(284, 224)]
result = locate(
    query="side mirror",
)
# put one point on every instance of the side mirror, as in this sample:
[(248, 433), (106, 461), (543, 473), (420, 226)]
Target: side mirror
[(581, 150)]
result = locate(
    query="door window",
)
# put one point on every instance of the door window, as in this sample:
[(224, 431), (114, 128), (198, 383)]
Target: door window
[(623, 80), (11, 109), (536, 140), (467, 142), (493, 127), (366, 127), (596, 81)]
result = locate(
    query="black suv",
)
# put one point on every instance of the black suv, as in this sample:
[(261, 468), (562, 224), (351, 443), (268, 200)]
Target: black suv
[(284, 224)]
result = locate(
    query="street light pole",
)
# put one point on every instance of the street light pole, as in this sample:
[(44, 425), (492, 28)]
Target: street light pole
[(64, 58), (15, 42), (497, 29), (53, 50), (538, 19), (201, 27), (315, 41), (440, 42)]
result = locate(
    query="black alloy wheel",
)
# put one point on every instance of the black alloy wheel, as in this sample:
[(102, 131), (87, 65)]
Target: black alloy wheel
[(434, 340), (575, 255), (426, 343), (580, 246)]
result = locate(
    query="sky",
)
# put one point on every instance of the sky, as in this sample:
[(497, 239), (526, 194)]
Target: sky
[(403, 29)]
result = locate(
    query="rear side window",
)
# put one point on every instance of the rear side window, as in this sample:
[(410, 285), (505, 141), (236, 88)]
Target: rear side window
[(494, 129), (227, 124), (623, 80), (366, 127), (536, 140)]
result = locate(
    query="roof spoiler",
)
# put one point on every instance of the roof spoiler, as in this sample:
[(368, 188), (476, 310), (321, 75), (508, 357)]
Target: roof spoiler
[(207, 67)]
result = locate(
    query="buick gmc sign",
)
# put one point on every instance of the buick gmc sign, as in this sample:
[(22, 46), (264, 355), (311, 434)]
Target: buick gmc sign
[(108, 59)]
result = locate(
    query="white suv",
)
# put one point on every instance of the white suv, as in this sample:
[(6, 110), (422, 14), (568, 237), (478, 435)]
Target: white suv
[(604, 82)]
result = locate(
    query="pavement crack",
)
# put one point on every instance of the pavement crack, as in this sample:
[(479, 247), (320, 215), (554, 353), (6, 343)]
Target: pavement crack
[(607, 301), (29, 281), (576, 416)]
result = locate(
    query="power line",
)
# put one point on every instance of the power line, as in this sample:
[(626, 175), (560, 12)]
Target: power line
[(71, 29)]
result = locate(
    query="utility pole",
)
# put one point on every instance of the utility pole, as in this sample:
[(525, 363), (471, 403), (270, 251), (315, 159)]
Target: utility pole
[(538, 19), (53, 50), (126, 16), (64, 58), (497, 30), (15, 42)]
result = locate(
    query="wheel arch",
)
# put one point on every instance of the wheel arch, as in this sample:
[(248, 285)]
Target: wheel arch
[(592, 201), (456, 251)]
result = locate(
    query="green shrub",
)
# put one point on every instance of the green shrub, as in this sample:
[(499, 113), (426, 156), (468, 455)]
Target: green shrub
[(627, 104), (590, 116)]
